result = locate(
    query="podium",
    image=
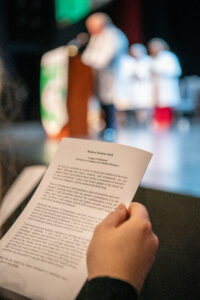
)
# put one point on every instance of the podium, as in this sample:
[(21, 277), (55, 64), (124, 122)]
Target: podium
[(66, 85), (80, 88)]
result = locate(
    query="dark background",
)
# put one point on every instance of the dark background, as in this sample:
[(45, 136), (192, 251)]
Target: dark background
[(28, 29)]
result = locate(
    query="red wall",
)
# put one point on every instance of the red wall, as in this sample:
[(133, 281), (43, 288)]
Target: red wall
[(127, 15)]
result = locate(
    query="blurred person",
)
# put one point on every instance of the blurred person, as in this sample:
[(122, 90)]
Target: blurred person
[(120, 255), (141, 74), (136, 92), (141, 89), (166, 71), (106, 46)]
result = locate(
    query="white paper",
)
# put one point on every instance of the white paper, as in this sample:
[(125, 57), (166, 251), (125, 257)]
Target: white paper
[(43, 255), (19, 190)]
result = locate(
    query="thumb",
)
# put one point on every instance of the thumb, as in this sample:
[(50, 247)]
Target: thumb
[(117, 217), (137, 210)]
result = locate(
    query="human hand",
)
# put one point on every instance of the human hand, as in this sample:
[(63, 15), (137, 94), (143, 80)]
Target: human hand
[(123, 246)]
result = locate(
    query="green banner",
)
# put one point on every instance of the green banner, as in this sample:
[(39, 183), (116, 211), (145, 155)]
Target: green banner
[(71, 10)]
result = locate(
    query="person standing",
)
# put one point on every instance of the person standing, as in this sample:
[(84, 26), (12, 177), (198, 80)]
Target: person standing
[(166, 71), (141, 88), (106, 46), (134, 98)]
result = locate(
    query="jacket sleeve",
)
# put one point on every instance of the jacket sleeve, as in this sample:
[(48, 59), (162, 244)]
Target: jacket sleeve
[(106, 288)]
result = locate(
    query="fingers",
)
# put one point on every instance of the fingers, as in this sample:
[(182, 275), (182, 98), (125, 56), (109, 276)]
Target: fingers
[(138, 218), (139, 214), (117, 217), (156, 242), (137, 210)]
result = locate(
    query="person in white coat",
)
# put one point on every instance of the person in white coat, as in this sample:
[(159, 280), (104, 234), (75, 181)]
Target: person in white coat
[(106, 46), (166, 71), (134, 96), (135, 70), (141, 87)]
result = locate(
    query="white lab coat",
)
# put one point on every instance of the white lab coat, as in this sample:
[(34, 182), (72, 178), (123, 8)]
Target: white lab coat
[(136, 78), (103, 54), (165, 82)]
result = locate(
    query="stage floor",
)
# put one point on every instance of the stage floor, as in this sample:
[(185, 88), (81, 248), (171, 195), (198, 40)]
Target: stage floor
[(175, 165)]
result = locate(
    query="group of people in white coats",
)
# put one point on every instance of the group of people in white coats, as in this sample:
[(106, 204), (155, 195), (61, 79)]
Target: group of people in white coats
[(151, 81), (131, 77)]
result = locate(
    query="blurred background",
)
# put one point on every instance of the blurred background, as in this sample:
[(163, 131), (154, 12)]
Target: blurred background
[(30, 29)]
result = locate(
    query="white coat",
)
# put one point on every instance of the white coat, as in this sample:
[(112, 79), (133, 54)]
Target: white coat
[(137, 89), (103, 54), (165, 79)]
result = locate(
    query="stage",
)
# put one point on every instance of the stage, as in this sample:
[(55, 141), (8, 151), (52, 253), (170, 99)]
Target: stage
[(175, 165)]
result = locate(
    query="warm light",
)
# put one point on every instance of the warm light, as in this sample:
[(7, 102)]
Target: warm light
[(72, 50)]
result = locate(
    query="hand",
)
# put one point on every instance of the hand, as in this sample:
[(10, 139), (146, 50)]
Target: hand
[(123, 246)]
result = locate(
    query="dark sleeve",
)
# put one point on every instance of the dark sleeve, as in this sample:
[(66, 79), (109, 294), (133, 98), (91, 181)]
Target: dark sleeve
[(107, 288)]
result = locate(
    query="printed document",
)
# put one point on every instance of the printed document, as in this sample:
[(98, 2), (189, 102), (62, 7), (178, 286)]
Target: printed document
[(43, 255)]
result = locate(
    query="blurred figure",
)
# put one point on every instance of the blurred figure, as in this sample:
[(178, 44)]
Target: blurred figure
[(135, 94), (106, 46), (166, 71), (141, 89)]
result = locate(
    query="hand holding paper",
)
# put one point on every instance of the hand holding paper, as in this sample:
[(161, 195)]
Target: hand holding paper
[(121, 248), (43, 255)]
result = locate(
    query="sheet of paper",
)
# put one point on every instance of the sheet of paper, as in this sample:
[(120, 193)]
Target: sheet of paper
[(19, 190), (43, 255)]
